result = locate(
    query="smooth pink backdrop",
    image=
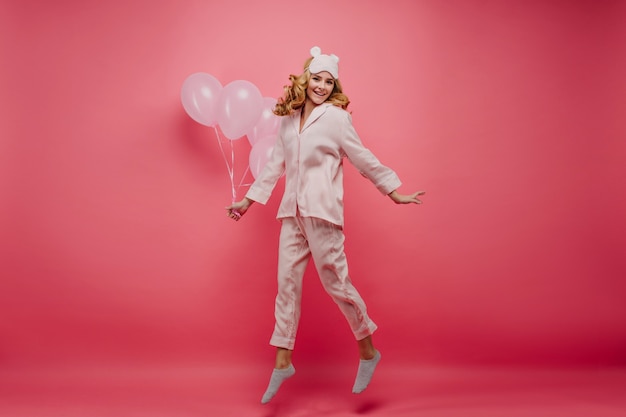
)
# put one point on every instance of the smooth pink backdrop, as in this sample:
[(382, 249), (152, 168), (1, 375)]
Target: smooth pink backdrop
[(114, 242)]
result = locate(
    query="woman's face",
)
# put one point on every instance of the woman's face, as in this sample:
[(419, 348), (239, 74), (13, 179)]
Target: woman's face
[(320, 86)]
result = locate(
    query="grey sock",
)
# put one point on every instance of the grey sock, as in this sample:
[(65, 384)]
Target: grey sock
[(365, 373), (278, 377)]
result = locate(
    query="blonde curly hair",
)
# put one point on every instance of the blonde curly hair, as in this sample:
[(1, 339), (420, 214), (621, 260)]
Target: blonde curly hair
[(295, 94)]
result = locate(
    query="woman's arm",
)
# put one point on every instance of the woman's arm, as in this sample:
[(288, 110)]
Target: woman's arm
[(262, 187), (368, 165)]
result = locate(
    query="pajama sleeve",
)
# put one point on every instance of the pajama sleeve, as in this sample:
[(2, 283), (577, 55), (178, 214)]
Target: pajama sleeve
[(261, 189), (383, 177)]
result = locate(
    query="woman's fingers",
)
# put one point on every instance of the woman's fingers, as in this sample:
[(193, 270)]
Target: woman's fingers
[(233, 214)]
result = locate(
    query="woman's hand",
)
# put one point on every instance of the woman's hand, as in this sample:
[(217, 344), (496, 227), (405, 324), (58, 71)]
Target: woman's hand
[(238, 209), (406, 198)]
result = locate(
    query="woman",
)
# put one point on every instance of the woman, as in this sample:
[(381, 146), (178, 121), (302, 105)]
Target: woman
[(316, 133)]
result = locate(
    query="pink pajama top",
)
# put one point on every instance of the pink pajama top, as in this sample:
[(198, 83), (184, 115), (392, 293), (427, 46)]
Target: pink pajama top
[(312, 161)]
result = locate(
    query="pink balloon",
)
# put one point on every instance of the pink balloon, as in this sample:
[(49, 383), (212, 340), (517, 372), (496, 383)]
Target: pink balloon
[(199, 94), (268, 123), (239, 106), (260, 154)]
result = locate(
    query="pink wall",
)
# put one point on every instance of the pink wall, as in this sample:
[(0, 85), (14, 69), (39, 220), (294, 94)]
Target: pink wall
[(115, 246)]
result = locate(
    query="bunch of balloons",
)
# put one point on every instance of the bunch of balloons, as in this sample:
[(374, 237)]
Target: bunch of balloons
[(239, 109)]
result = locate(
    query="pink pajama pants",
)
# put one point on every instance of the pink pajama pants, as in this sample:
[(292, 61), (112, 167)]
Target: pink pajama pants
[(300, 239)]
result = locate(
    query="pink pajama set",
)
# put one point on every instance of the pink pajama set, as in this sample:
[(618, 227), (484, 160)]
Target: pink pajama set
[(311, 212)]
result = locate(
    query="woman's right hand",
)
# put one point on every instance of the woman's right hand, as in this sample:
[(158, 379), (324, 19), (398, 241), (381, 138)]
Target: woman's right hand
[(239, 208)]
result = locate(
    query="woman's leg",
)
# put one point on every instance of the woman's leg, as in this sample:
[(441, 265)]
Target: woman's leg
[(283, 358), (366, 348), (326, 241), (293, 257)]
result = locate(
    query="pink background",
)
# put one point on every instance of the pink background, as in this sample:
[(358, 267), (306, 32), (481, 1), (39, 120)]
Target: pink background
[(114, 241)]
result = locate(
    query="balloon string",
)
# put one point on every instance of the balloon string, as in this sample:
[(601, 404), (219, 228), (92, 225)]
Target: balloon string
[(229, 167), (232, 170), (243, 177)]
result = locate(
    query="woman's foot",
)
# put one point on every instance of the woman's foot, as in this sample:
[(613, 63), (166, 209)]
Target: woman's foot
[(283, 370), (365, 373), (278, 377)]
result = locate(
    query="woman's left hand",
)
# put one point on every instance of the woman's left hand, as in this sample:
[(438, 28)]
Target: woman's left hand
[(406, 198)]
